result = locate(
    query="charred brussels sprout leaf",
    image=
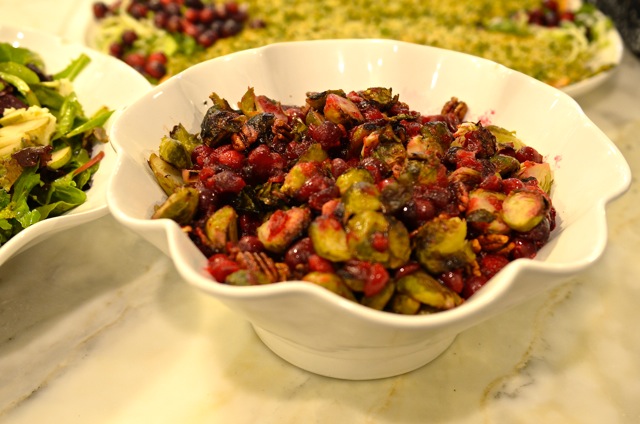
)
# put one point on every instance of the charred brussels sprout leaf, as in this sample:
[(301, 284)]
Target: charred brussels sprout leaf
[(505, 165), (219, 124), (317, 100), (383, 97), (168, 176)]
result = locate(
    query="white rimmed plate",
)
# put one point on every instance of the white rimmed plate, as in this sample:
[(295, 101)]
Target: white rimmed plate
[(105, 81)]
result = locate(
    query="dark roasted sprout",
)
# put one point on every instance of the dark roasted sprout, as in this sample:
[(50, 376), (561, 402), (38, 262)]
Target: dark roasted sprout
[(357, 193)]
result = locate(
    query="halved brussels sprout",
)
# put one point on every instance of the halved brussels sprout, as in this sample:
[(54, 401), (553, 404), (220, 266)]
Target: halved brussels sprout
[(331, 282), (222, 227), (329, 239), (283, 227), (440, 245), (363, 227), (179, 206), (168, 176), (427, 290), (523, 209), (540, 171)]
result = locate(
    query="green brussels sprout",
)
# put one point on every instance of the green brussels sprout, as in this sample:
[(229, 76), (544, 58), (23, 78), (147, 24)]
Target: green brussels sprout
[(297, 176), (361, 196), (329, 239), (392, 154), (173, 152), (341, 110), (440, 245), (405, 304), (394, 196), (362, 231), (245, 277), (483, 211), (222, 227), (168, 176), (505, 138), (505, 165), (421, 172), (283, 227), (187, 140), (315, 153), (427, 290), (379, 300), (352, 176), (540, 171), (331, 282), (419, 147), (180, 206), (523, 209), (317, 100), (383, 97), (438, 134)]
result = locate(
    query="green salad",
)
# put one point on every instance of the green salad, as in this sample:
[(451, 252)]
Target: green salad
[(46, 140)]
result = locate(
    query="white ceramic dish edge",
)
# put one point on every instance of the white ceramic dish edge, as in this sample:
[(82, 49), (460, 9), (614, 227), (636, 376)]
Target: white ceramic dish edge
[(105, 81), (417, 339)]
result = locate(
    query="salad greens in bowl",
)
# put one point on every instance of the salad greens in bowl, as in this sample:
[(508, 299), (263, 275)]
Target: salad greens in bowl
[(331, 191), (56, 101)]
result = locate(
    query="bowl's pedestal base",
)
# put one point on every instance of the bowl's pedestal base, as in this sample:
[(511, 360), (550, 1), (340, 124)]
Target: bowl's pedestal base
[(354, 364)]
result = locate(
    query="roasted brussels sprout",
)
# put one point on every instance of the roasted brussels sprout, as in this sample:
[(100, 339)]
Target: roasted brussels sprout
[(441, 245)]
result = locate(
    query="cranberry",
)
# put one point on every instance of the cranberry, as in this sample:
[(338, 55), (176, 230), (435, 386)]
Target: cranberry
[(492, 182), (207, 38), (327, 134), (192, 15), (135, 60), (116, 50), (161, 19), (407, 269), (379, 241), (227, 182), (510, 184), (138, 10), (453, 280), (320, 264), (232, 159), (472, 285), (523, 249), (220, 266), (298, 255), (319, 199), (528, 153), (377, 279), (158, 57), (250, 244), (490, 264), (129, 36), (155, 69), (100, 10), (207, 15)]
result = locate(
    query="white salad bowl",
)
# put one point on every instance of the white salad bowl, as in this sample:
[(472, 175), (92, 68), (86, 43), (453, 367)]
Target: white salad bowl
[(106, 81), (309, 326)]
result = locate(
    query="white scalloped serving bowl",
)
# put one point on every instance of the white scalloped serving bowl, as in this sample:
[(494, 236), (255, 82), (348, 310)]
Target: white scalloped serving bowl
[(105, 81), (309, 326)]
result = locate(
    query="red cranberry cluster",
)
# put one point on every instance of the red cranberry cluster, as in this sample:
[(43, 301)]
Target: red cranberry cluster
[(549, 14), (205, 23)]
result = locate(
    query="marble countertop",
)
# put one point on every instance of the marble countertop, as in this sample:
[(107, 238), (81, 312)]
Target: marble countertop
[(96, 326)]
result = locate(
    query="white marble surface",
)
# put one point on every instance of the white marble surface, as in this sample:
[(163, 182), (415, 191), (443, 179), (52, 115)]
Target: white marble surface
[(96, 327)]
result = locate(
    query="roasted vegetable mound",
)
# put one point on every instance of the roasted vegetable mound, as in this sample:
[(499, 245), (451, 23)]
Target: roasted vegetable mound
[(358, 193)]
